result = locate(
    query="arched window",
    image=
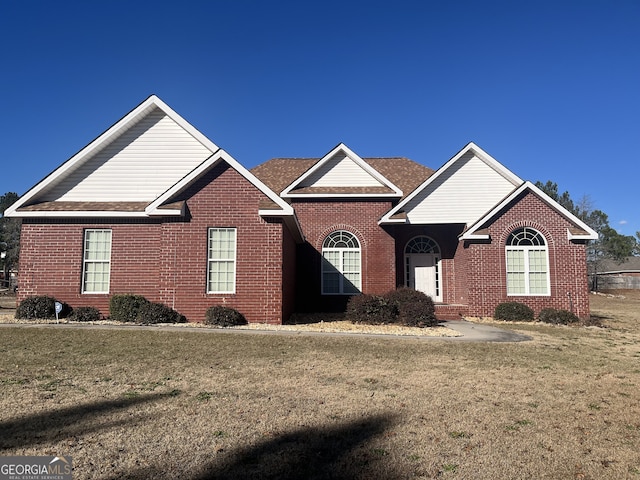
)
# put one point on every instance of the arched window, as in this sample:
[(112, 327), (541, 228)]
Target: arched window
[(527, 263), (341, 266), (422, 245)]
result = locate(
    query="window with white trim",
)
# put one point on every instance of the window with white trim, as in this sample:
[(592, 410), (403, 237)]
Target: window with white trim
[(341, 265), (96, 261), (527, 263), (221, 260)]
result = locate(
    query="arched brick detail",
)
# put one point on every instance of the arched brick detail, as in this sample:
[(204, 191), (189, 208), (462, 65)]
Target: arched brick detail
[(347, 228)]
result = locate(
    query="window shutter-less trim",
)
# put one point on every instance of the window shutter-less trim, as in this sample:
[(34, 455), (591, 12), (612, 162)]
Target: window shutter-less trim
[(527, 260), (221, 263), (341, 264), (96, 264)]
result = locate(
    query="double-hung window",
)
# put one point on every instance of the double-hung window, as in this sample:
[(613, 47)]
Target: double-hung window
[(96, 265), (527, 263), (341, 270), (221, 263)]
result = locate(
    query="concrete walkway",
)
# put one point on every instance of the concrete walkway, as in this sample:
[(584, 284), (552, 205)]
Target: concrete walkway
[(478, 332), (471, 332)]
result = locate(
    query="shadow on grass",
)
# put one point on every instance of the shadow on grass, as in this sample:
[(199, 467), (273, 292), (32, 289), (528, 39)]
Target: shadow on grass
[(53, 425), (338, 452)]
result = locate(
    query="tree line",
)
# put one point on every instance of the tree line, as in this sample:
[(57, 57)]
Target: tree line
[(610, 244), (9, 237)]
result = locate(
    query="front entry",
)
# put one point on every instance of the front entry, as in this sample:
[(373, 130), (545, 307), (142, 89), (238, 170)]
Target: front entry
[(422, 267), (424, 274)]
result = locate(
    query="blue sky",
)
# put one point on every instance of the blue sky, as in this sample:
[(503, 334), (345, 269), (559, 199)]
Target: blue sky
[(551, 89)]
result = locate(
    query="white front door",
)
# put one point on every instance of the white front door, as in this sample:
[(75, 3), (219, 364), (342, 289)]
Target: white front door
[(424, 274)]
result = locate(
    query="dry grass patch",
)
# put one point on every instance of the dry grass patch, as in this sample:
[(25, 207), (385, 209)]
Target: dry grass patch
[(182, 404)]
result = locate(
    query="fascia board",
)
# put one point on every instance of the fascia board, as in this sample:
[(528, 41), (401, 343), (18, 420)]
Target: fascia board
[(475, 237), (353, 156), (572, 236), (342, 195), (392, 221), (484, 156), (104, 139)]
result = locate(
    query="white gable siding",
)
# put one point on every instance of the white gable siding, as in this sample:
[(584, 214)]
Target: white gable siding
[(341, 171), (139, 165), (465, 192)]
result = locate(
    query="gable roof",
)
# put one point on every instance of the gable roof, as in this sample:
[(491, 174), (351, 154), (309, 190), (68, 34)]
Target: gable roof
[(580, 230), (463, 189), (278, 173), (112, 177), (341, 173)]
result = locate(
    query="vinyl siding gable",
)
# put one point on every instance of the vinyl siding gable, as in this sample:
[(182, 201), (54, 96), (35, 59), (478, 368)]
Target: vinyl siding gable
[(465, 192), (138, 165), (341, 171)]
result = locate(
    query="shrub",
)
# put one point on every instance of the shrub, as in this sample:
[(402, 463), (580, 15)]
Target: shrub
[(224, 317), (155, 312), (40, 306), (85, 314), (127, 308), (372, 310), (415, 309), (559, 317), (513, 311)]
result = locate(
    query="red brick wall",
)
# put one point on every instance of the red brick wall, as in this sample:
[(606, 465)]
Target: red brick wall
[(51, 260), (288, 275), (567, 262), (320, 218), (167, 262)]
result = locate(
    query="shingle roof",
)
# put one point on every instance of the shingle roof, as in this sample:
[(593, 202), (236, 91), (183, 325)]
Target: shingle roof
[(279, 173), (85, 207)]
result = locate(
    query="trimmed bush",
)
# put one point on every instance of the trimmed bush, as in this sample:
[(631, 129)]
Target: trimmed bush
[(155, 312), (415, 309), (40, 306), (127, 308), (85, 314), (513, 311), (558, 317), (372, 310), (224, 317)]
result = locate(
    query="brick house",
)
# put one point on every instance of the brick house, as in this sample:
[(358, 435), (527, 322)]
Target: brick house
[(153, 207)]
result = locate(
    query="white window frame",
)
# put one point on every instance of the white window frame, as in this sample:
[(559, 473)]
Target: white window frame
[(335, 243), (525, 241), (87, 262), (214, 258)]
